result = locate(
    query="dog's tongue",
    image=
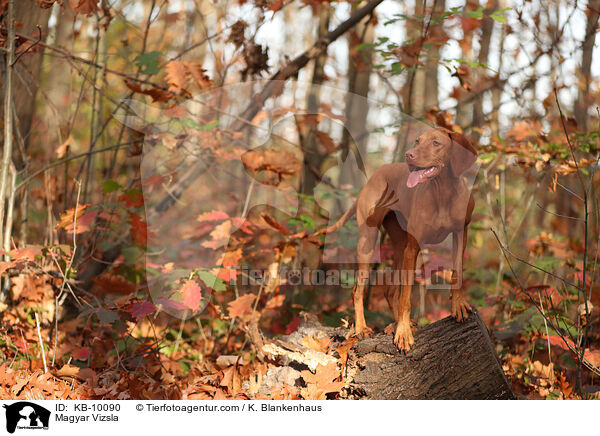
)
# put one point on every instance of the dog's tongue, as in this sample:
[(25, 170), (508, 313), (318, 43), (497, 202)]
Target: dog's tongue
[(415, 177)]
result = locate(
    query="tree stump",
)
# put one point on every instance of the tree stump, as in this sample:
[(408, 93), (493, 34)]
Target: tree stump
[(450, 360)]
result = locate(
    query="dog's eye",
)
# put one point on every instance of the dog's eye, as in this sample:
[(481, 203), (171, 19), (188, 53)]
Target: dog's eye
[(436, 143)]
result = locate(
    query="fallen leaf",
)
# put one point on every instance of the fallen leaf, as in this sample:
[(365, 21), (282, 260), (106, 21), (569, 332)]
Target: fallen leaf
[(241, 305), (321, 382)]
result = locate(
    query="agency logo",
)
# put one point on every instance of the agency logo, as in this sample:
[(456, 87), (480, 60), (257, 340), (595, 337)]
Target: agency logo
[(26, 415)]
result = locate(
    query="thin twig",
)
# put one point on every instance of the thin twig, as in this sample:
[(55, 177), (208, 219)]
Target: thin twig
[(37, 321)]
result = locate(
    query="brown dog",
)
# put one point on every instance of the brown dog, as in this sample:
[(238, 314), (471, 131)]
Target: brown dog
[(420, 201)]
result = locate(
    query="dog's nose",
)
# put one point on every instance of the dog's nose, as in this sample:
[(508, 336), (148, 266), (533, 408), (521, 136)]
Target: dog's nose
[(409, 155)]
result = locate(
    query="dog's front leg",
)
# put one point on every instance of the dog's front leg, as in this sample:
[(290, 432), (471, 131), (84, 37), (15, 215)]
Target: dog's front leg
[(403, 337), (367, 237), (460, 307)]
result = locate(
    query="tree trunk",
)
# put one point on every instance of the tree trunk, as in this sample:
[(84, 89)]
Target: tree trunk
[(583, 98), (27, 71), (433, 59), (313, 154), (357, 106), (487, 29), (450, 360)]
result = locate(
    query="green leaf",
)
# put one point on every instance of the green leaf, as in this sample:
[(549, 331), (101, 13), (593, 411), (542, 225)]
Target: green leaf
[(308, 221), (109, 186), (397, 68), (364, 46), (132, 254), (476, 14), (149, 62), (498, 18), (212, 281)]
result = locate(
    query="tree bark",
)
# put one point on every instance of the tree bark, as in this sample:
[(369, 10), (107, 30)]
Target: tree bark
[(433, 60), (450, 360), (583, 98), (360, 64), (32, 18), (487, 29), (313, 153)]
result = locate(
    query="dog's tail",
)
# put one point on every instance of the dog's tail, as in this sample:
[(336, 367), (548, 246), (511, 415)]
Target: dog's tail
[(340, 223)]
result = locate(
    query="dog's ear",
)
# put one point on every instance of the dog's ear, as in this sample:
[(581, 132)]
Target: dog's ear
[(462, 154)]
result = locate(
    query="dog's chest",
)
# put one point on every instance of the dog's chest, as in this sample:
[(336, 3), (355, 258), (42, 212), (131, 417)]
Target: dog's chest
[(432, 223)]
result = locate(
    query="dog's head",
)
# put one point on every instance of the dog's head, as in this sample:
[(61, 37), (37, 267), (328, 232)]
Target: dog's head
[(435, 150)]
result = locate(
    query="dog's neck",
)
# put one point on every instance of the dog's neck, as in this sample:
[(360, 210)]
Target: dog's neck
[(443, 187)]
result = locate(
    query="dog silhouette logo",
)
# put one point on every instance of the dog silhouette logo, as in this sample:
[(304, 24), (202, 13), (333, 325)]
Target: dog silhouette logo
[(26, 415)]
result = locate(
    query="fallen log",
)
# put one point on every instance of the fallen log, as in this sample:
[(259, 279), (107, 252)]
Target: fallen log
[(450, 360)]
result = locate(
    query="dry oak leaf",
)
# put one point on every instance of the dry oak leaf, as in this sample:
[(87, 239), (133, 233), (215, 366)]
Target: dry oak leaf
[(198, 74), (523, 130), (345, 348), (62, 149), (571, 166), (564, 386), (284, 163), (68, 217), (176, 75), (241, 305), (179, 72), (321, 383), (158, 95), (314, 343)]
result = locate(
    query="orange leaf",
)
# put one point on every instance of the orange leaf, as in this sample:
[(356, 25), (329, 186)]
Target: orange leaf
[(62, 149), (176, 75), (198, 74), (192, 294), (29, 253), (322, 382), (231, 258), (326, 141), (276, 301), (593, 357), (557, 341), (67, 218), (241, 305)]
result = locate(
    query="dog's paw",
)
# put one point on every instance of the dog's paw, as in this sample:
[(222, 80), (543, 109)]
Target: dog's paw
[(403, 337), (460, 308), (363, 333)]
